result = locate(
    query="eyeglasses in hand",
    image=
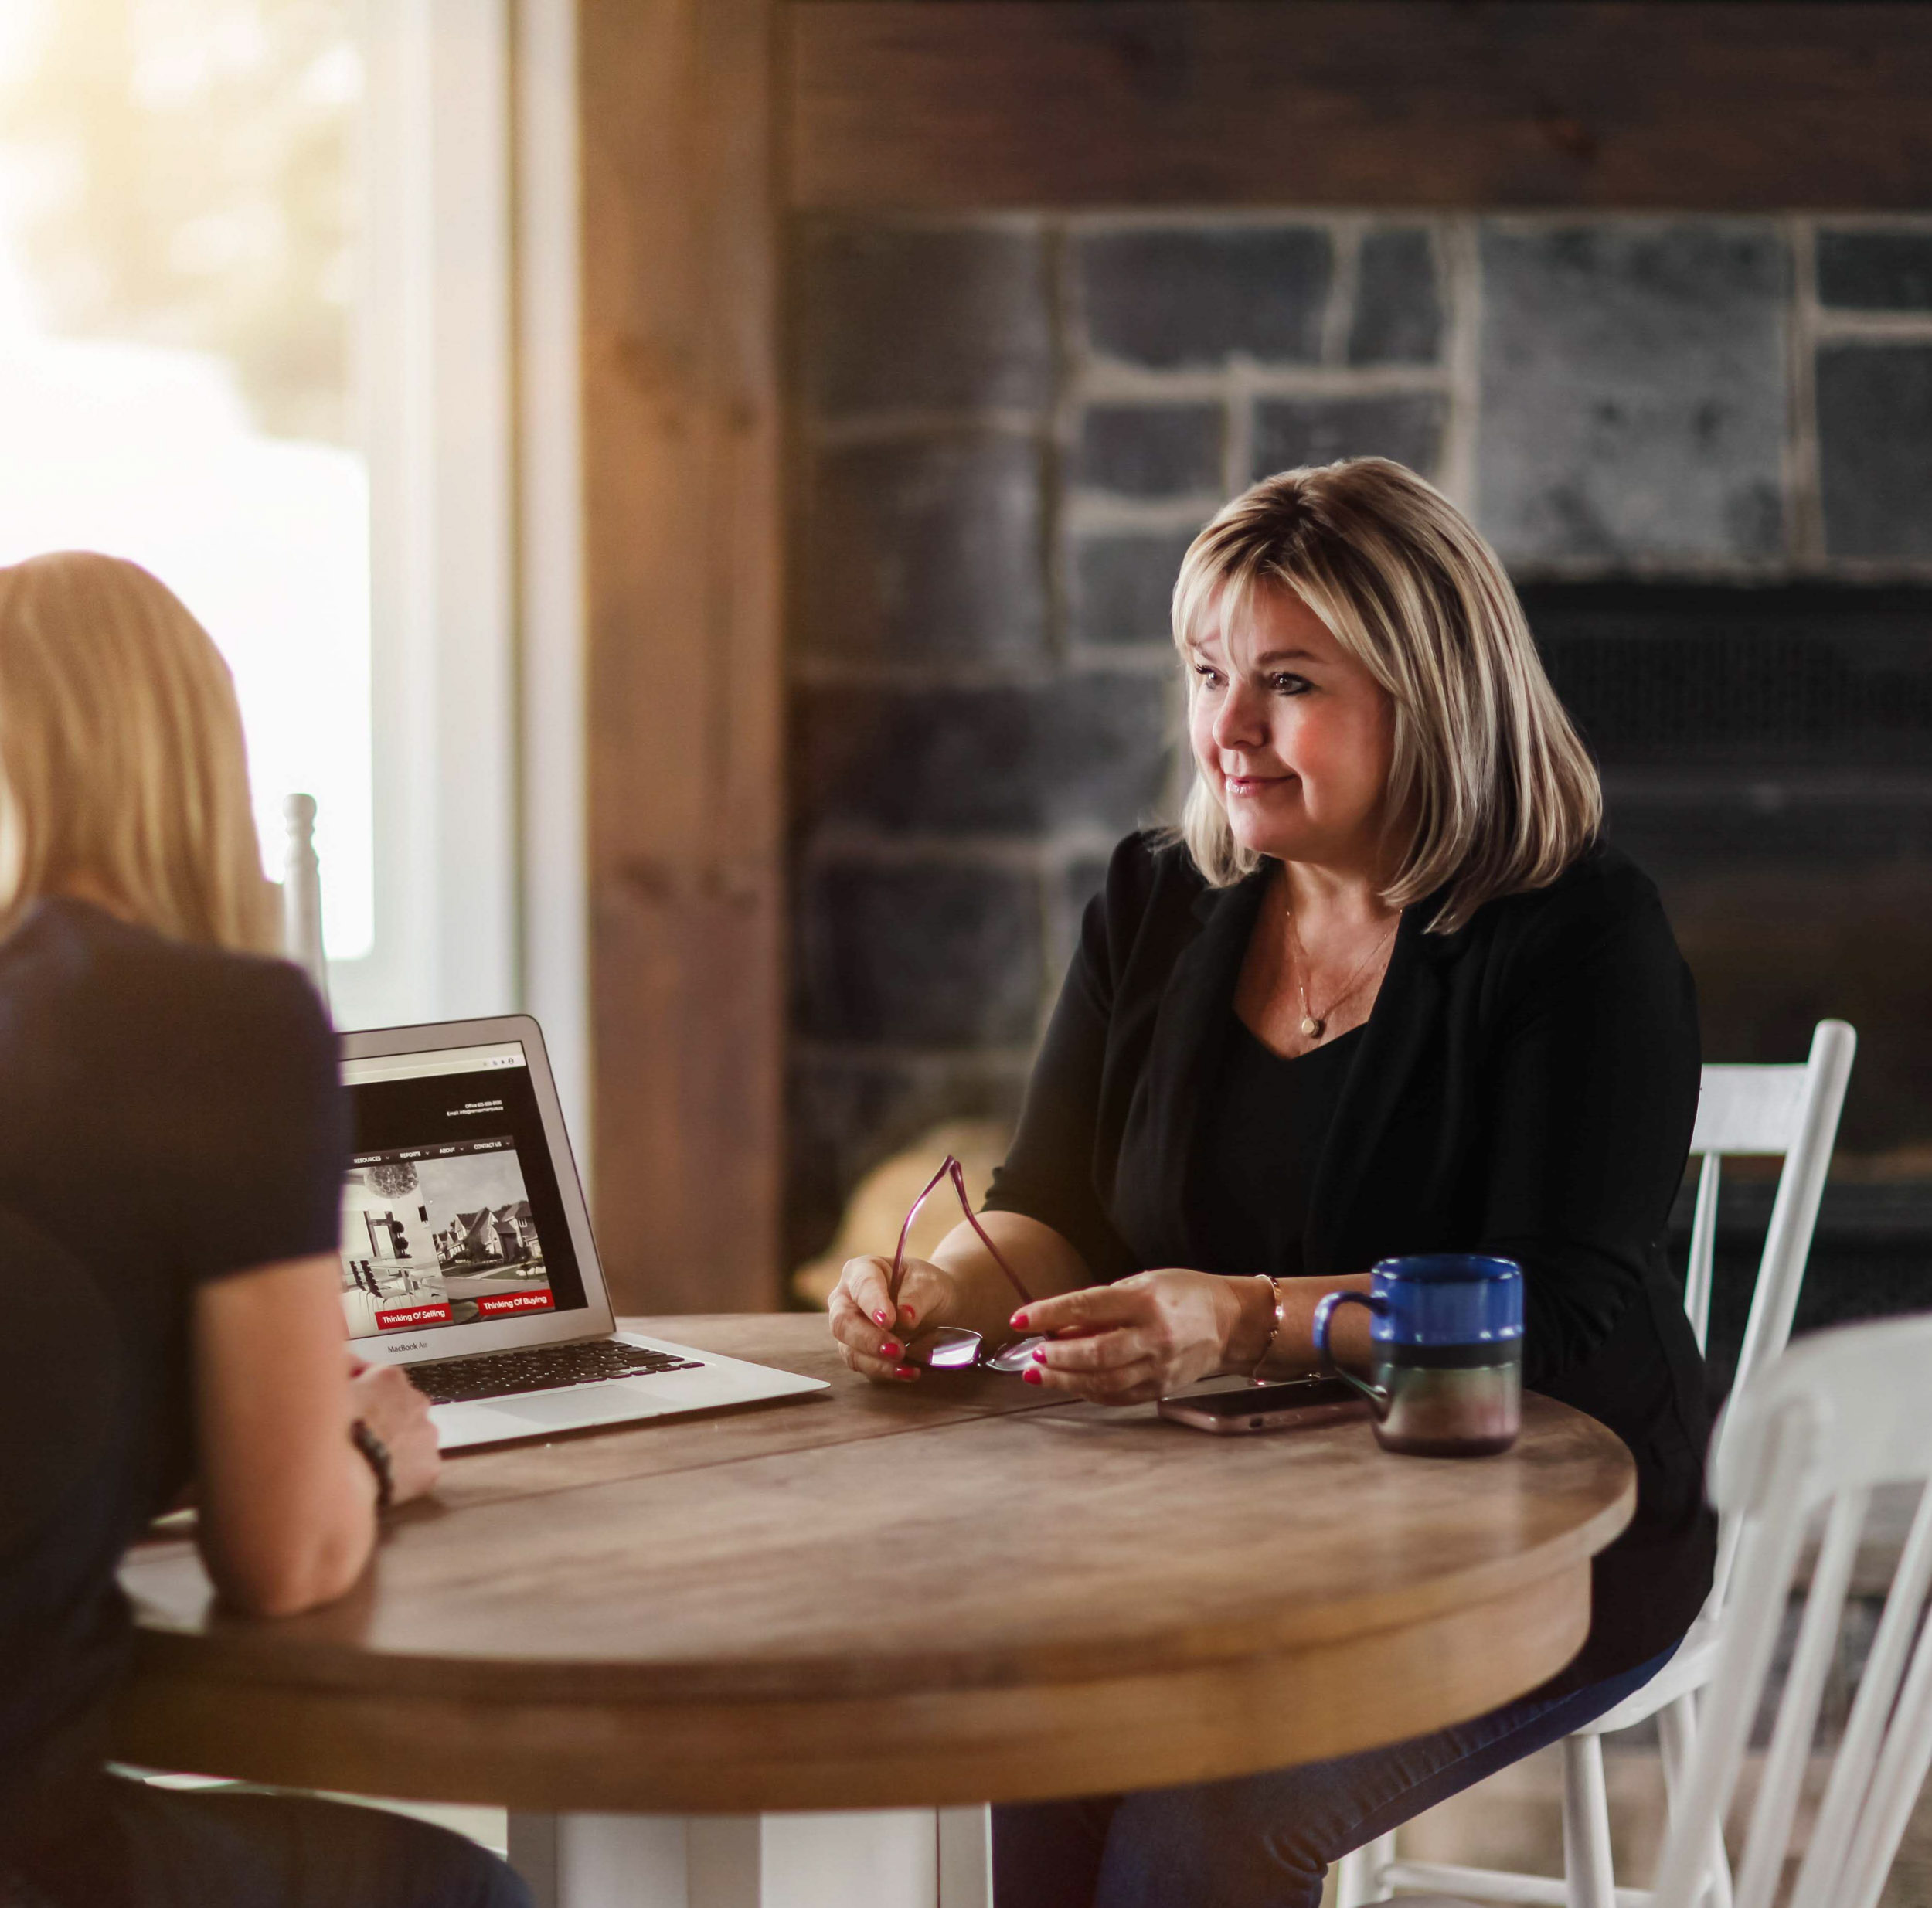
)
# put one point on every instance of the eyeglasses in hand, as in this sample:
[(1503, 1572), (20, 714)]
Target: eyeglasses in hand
[(953, 1348)]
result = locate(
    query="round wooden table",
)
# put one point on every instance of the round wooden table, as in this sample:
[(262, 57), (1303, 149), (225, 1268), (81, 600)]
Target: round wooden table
[(947, 1593)]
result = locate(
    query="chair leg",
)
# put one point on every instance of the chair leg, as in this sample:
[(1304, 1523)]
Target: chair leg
[(1358, 1875), (1351, 1888), (1676, 1728), (1676, 1732), (1586, 1863)]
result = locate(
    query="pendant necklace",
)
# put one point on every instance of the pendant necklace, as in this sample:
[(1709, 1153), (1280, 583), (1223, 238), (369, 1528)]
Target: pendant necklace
[(1314, 1025)]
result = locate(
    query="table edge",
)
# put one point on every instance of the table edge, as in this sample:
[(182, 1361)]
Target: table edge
[(240, 1652)]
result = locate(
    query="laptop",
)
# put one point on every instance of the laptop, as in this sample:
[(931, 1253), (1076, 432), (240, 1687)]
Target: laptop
[(467, 1254)]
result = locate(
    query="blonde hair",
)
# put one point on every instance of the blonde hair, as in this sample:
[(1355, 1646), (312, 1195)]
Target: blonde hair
[(1495, 784), (121, 755)]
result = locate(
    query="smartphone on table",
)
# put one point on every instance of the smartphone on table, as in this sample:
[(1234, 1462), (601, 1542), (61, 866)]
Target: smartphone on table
[(1297, 1402)]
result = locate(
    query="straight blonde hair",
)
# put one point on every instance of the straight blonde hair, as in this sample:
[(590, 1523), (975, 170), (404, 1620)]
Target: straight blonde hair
[(123, 769), (1489, 779)]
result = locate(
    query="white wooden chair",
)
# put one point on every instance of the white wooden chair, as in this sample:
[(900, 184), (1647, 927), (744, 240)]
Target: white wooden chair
[(1792, 1111), (302, 893), (1841, 1412)]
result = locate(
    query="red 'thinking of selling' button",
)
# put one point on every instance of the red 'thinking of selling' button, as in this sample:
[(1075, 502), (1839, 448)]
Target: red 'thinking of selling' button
[(515, 1301), (413, 1315)]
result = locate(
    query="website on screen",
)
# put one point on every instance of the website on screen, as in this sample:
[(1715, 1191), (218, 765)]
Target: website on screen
[(450, 1214)]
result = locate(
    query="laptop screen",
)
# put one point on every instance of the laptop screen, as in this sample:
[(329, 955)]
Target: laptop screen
[(450, 1213)]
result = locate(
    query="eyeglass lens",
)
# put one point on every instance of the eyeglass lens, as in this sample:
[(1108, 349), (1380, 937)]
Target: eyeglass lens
[(953, 1348)]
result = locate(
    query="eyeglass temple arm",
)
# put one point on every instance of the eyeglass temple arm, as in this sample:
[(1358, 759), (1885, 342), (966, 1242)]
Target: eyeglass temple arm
[(950, 1168), (972, 1219), (905, 1232)]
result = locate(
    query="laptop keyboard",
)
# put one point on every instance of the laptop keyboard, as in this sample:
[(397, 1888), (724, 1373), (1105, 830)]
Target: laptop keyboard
[(542, 1368)]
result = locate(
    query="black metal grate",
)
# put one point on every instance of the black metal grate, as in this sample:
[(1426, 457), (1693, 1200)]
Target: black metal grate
[(1806, 676), (1767, 758)]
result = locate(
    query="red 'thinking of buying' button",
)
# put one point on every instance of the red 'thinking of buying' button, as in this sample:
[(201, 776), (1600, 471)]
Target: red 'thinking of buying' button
[(515, 1301)]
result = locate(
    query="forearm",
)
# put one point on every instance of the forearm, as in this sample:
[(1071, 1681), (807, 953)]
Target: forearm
[(1156, 1332), (985, 1298), (1048, 1265), (287, 1503), (1292, 1349), (308, 1549)]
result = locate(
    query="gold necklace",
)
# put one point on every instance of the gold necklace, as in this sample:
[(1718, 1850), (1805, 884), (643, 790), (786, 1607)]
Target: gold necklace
[(1314, 1025)]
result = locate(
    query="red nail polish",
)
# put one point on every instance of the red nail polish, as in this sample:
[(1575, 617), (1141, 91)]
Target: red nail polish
[(907, 1313), (883, 1318), (1031, 1376), (889, 1349), (1018, 1322), (906, 1371)]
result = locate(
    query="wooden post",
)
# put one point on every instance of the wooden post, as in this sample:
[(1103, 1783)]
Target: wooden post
[(682, 551)]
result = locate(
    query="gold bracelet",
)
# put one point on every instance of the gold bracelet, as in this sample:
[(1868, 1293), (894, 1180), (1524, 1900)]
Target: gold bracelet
[(1274, 1328)]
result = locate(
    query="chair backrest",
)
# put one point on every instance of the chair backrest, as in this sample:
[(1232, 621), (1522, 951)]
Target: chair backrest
[(1839, 1414), (302, 893), (1792, 1110)]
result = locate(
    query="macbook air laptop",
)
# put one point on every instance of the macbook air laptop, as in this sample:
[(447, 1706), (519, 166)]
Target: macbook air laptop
[(467, 1253)]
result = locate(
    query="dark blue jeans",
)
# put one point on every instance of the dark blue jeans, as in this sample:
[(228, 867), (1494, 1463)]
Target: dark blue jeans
[(136, 1846), (1266, 1841)]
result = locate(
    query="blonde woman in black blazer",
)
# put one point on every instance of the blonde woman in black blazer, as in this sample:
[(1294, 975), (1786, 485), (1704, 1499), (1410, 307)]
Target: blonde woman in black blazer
[(1386, 990)]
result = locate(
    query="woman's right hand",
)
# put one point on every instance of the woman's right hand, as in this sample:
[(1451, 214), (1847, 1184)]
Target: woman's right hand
[(872, 1340), (385, 1400)]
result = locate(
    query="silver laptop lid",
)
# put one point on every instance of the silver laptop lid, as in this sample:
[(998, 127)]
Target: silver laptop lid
[(463, 1224)]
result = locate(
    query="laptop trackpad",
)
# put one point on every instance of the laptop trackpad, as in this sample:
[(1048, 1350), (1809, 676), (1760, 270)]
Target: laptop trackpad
[(583, 1404)]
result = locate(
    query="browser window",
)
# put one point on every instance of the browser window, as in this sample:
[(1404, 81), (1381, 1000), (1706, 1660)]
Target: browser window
[(450, 1213)]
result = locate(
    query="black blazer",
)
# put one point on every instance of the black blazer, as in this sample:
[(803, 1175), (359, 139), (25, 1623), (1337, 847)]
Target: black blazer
[(1525, 1087)]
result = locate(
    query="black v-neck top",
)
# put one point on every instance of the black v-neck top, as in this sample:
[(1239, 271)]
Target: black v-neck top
[(1261, 1136)]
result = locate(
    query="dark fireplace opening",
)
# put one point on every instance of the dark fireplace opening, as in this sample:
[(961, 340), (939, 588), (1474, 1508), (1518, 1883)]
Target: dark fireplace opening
[(1767, 755)]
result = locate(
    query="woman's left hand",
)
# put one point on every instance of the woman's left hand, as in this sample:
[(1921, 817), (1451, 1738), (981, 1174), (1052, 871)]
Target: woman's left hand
[(1136, 1340)]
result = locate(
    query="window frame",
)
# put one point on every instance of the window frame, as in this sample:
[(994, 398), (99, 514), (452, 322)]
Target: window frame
[(468, 354), (433, 338)]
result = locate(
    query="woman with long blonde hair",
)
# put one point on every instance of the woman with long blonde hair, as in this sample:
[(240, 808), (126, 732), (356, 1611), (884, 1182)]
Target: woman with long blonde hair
[(1385, 991), (172, 1140)]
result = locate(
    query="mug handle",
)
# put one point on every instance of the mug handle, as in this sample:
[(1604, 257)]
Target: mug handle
[(1377, 1395)]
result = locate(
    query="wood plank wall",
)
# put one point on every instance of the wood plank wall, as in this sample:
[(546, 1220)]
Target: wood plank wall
[(701, 117), (1623, 104), (682, 548)]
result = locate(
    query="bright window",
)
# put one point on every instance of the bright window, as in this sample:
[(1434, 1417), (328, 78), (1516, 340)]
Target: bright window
[(256, 282), (179, 200)]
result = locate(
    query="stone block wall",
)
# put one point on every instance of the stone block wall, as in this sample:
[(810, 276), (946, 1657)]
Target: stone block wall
[(1008, 428)]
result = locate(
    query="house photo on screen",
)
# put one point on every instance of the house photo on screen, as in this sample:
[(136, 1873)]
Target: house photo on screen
[(440, 1236)]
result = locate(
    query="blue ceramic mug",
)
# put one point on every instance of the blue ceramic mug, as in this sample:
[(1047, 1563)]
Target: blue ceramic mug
[(1447, 1333)]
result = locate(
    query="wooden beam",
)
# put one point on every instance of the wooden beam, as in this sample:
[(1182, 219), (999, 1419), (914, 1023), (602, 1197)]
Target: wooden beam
[(1705, 104), (682, 545)]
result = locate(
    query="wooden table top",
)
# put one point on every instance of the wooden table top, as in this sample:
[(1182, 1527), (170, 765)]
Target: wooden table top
[(953, 1592)]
